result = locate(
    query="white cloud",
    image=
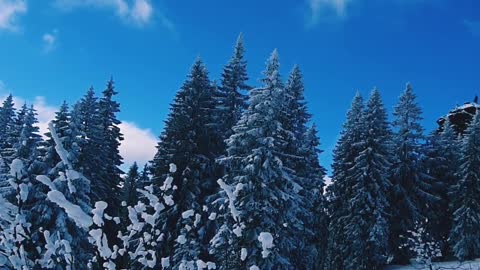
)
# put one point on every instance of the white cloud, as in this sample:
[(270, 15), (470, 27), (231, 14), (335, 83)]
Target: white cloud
[(50, 40), (142, 11), (136, 12), (138, 145), (319, 8), (9, 12)]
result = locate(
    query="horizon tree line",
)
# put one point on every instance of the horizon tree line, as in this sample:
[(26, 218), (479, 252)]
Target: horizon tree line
[(247, 188)]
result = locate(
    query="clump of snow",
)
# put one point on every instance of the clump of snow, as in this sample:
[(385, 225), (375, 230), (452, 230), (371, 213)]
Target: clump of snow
[(46, 181), (187, 214), (254, 267), (173, 168), (165, 262), (237, 230), (97, 212), (231, 199), (181, 239), (243, 254), (212, 216), (23, 192), (73, 211), (16, 168), (266, 239)]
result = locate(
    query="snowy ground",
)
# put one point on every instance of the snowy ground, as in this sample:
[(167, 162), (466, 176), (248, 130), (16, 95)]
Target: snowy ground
[(470, 265)]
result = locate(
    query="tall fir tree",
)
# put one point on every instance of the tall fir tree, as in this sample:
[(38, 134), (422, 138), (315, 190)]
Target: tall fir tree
[(265, 201), (232, 99), (411, 186), (311, 249), (465, 236), (189, 141), (366, 225), (111, 138), (339, 193), (86, 119), (300, 156), (130, 185), (76, 189), (7, 118), (9, 150), (440, 161)]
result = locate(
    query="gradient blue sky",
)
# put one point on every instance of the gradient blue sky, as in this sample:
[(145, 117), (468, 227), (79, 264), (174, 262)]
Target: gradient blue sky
[(52, 50)]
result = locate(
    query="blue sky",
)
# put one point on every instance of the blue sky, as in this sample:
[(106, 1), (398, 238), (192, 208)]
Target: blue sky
[(52, 50)]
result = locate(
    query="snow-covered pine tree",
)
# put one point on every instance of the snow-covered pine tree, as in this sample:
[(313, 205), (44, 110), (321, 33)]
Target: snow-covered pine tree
[(188, 140), (411, 186), (366, 224), (440, 161), (300, 156), (130, 185), (232, 100), (62, 125), (144, 179), (110, 143), (25, 149), (311, 251), (263, 209), (15, 235), (339, 193), (9, 151), (7, 118), (54, 218), (465, 235), (86, 119)]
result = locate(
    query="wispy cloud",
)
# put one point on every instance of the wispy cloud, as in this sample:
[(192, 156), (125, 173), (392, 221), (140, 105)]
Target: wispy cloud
[(49, 40), (473, 27), (134, 12), (319, 9), (10, 10)]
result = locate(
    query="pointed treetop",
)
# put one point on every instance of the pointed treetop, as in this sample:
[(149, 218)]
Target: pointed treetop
[(110, 90), (295, 74), (273, 69), (357, 101), (90, 92), (8, 102), (375, 98), (64, 106), (239, 49)]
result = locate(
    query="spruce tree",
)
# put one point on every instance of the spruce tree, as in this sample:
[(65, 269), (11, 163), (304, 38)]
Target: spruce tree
[(440, 161), (411, 186), (130, 185), (232, 99), (310, 252), (111, 138), (465, 236), (7, 116), (339, 193), (300, 156), (86, 119), (189, 141), (263, 188), (366, 224)]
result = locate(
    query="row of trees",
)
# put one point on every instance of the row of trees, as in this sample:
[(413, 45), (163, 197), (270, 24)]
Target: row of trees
[(246, 190)]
